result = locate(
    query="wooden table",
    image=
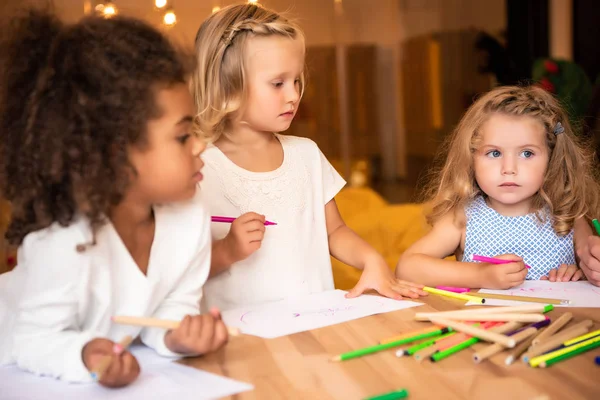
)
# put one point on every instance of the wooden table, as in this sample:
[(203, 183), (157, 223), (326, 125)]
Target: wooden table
[(298, 366)]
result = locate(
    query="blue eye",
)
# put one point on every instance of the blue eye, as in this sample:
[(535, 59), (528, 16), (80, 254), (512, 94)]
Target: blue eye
[(493, 154), (527, 153)]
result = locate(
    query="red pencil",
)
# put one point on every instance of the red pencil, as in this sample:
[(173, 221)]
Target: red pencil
[(230, 220), (493, 260)]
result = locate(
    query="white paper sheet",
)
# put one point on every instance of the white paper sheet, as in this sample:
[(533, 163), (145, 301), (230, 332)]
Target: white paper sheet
[(160, 379), (580, 294), (308, 312)]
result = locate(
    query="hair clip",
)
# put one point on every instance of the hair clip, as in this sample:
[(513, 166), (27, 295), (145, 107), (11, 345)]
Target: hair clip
[(558, 129)]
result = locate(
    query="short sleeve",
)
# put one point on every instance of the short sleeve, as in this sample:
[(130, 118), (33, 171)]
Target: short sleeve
[(332, 180)]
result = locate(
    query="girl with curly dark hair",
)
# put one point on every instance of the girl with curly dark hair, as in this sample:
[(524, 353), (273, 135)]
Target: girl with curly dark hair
[(101, 171)]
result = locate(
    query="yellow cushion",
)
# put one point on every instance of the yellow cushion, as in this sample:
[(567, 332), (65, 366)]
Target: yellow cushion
[(390, 229)]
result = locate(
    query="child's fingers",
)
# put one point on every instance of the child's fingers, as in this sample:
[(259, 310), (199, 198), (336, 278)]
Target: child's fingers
[(510, 257), (256, 236), (544, 278), (355, 291), (251, 216), (562, 272), (184, 327), (131, 368), (407, 283), (254, 225), (206, 334), (577, 275), (220, 336), (111, 376), (411, 292), (552, 275)]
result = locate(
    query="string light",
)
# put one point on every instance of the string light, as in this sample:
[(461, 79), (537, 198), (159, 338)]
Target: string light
[(170, 18), (160, 3), (252, 1), (215, 9), (107, 10)]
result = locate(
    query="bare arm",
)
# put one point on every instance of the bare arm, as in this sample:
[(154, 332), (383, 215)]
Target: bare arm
[(221, 258), (424, 260), (351, 249), (344, 243)]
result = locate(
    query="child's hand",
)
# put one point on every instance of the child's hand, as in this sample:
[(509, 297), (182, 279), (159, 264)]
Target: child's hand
[(504, 276), (589, 259), (198, 334), (245, 236), (123, 368), (564, 273), (378, 276)]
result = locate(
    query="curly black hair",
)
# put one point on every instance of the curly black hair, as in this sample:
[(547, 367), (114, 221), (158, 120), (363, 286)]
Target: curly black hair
[(72, 99)]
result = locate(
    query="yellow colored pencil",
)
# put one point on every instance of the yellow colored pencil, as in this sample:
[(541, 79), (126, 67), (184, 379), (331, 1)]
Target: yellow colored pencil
[(534, 362), (459, 296)]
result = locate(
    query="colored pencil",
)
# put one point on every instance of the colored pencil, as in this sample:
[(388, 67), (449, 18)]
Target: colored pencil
[(574, 352), (97, 372), (518, 351), (413, 349), (493, 260), (487, 310), (158, 323), (453, 289), (229, 220), (557, 340), (440, 355), (553, 328), (410, 334), (544, 300), (380, 347), (596, 225), (459, 296), (582, 338), (519, 336), (517, 317), (477, 332), (397, 394), (536, 361)]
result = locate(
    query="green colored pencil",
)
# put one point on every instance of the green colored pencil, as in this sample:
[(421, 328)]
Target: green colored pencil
[(412, 350), (397, 394), (440, 355), (385, 346), (575, 352), (596, 225)]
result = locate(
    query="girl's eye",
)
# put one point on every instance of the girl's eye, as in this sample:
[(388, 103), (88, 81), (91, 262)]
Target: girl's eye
[(278, 84), (183, 138), (493, 154), (527, 153)]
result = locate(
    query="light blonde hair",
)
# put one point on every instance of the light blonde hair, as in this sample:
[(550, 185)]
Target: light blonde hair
[(219, 83), (570, 188)]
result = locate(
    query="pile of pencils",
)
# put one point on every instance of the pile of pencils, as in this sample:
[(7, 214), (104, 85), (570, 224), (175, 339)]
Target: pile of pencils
[(522, 332)]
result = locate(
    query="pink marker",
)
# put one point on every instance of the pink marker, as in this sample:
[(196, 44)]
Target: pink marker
[(493, 260), (453, 289), (230, 220)]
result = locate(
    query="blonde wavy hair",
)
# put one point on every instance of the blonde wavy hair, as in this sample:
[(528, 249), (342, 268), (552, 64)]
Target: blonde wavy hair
[(570, 188), (219, 83)]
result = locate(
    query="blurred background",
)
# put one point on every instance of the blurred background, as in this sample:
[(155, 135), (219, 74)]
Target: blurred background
[(389, 79)]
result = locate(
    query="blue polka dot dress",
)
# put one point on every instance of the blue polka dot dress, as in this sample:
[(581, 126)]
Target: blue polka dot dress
[(490, 234)]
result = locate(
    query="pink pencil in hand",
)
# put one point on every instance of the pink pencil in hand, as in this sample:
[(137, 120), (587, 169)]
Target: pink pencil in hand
[(230, 220), (493, 260)]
